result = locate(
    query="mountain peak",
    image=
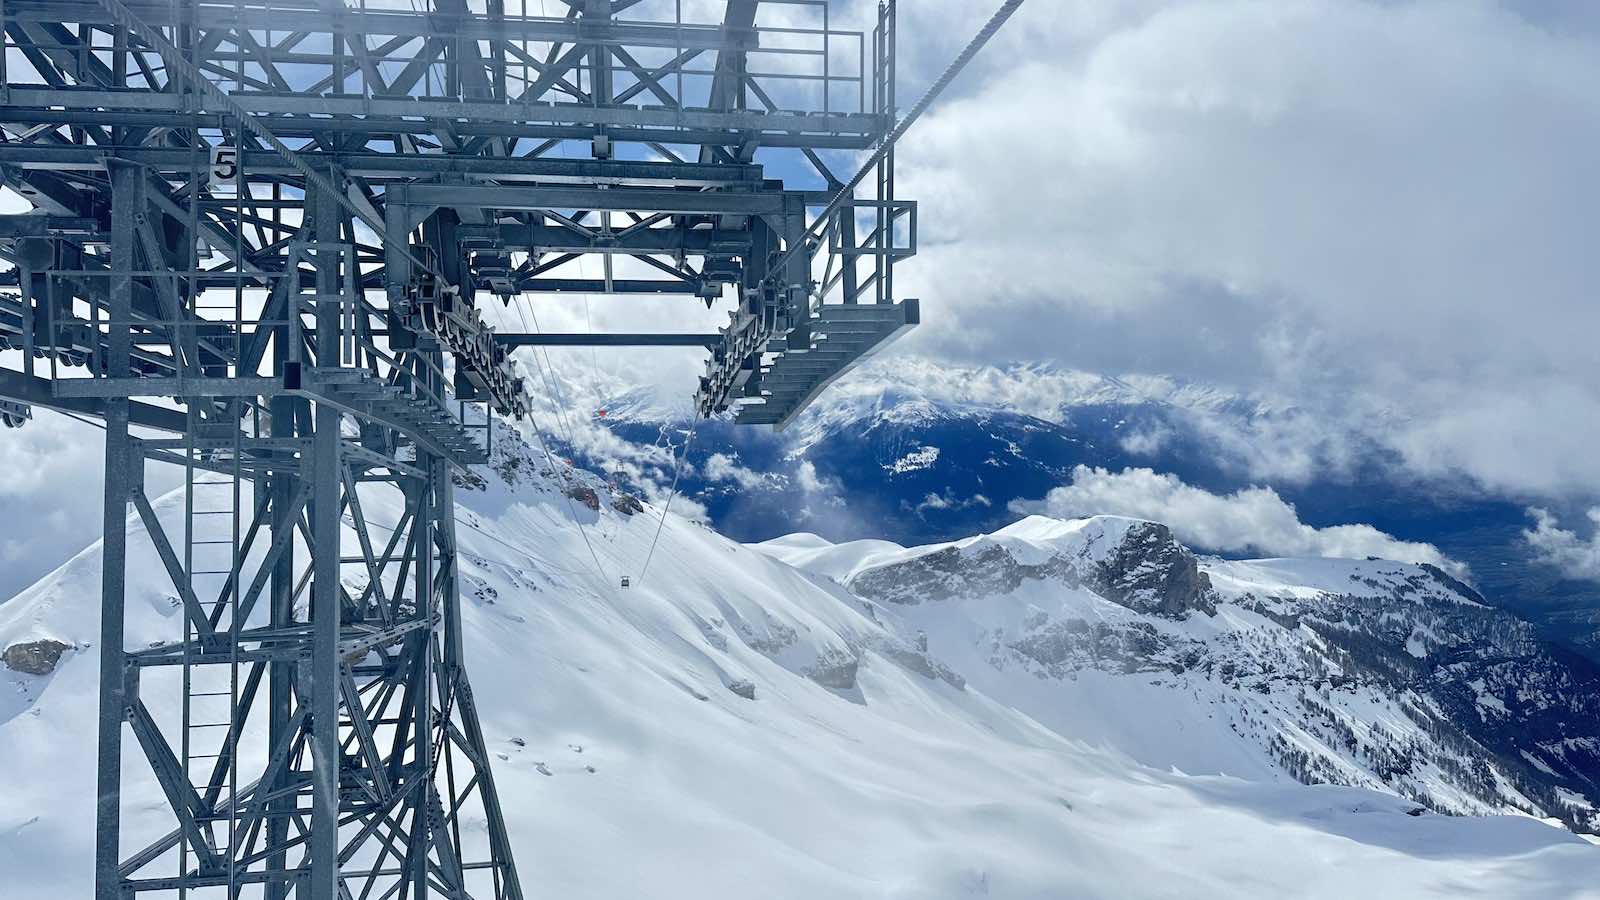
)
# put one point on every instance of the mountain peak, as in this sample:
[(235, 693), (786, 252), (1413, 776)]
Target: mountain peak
[(1131, 562), (1364, 672)]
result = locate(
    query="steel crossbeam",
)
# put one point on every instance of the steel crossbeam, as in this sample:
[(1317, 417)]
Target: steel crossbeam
[(262, 238)]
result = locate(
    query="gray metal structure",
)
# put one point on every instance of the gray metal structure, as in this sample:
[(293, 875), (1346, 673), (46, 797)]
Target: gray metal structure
[(261, 235)]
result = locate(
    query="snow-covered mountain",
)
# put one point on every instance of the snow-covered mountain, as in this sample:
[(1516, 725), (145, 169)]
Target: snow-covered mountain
[(1368, 673), (1059, 709), (918, 452)]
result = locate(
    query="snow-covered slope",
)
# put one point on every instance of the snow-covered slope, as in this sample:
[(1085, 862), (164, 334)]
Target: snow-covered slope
[(1366, 673), (863, 767)]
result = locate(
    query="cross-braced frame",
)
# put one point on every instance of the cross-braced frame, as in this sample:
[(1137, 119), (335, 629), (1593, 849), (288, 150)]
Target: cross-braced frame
[(262, 238)]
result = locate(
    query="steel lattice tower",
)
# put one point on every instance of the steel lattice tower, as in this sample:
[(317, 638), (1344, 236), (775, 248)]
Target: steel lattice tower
[(262, 231)]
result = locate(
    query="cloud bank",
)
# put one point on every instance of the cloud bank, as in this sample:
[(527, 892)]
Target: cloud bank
[(1253, 520), (1564, 549), (1380, 210)]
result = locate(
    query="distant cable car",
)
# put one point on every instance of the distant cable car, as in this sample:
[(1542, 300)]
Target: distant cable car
[(624, 581), (601, 412)]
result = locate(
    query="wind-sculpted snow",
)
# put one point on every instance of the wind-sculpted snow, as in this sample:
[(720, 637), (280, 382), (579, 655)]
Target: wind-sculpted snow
[(731, 726)]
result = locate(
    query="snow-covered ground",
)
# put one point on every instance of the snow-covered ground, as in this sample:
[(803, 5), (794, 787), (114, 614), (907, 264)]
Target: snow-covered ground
[(864, 767)]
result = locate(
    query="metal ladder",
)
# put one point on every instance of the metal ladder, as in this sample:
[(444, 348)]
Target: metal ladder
[(215, 499)]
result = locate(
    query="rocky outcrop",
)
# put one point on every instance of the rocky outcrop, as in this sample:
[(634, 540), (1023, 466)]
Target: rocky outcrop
[(835, 671), (585, 495), (34, 657), (1392, 676), (919, 661), (1149, 571), (627, 504), (1060, 647), (945, 573), (1146, 570)]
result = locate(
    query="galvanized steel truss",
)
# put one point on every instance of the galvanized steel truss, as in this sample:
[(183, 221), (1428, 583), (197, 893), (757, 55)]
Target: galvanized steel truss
[(263, 232)]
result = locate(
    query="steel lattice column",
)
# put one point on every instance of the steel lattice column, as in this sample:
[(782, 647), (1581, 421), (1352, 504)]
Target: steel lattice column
[(368, 213), (128, 203), (325, 588)]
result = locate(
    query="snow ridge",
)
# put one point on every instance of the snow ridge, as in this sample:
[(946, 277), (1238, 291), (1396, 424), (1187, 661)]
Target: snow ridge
[(1366, 673), (732, 725)]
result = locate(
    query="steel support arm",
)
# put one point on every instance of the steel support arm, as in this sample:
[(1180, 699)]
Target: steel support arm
[(35, 391), (608, 340)]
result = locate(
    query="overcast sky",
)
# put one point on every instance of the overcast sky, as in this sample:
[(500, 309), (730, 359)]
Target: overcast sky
[(1380, 211)]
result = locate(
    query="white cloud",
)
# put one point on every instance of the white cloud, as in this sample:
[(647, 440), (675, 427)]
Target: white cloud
[(1372, 208), (722, 467), (812, 483), (1260, 435), (949, 502), (1556, 546), (1253, 520), (1146, 441)]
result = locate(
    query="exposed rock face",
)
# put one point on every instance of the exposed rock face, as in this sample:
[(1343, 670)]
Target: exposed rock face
[(745, 689), (940, 575), (585, 495), (510, 466), (917, 660), (34, 657), (1059, 647), (837, 673), (627, 504), (1151, 572), (1382, 675), (1147, 570)]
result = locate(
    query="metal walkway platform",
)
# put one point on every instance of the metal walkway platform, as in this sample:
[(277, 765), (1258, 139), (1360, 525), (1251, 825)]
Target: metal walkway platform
[(845, 335)]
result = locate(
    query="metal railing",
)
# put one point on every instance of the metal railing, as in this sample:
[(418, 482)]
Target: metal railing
[(394, 51)]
